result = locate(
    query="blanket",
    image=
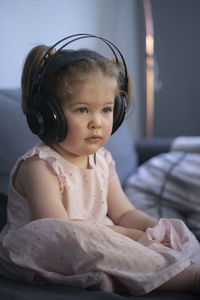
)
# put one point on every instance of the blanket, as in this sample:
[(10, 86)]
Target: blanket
[(168, 186)]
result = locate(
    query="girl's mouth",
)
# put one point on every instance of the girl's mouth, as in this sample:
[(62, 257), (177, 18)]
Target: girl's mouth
[(94, 139)]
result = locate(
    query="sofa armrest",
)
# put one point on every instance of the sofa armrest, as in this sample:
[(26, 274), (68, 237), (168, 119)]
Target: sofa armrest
[(147, 148)]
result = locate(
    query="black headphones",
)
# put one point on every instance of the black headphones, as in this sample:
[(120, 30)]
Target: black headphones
[(45, 116)]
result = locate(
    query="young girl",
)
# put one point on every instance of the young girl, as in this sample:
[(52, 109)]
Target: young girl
[(69, 221)]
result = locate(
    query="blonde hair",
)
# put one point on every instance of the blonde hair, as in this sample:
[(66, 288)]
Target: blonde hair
[(60, 84)]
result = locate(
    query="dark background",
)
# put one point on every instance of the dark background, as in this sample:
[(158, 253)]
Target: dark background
[(177, 53)]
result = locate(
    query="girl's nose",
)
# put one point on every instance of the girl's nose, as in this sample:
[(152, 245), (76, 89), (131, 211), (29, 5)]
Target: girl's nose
[(95, 122)]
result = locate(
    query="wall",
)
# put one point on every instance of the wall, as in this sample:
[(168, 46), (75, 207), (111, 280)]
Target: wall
[(177, 47), (25, 23)]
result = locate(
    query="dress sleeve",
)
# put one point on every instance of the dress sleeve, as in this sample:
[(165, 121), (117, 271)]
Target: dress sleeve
[(110, 164)]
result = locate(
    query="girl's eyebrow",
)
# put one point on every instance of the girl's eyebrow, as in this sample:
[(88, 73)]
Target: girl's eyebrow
[(78, 104), (110, 102), (89, 104)]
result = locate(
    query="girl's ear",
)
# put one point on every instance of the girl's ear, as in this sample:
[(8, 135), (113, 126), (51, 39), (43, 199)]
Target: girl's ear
[(111, 59), (53, 51)]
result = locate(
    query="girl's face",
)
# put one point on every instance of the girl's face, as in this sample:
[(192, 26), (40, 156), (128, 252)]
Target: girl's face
[(89, 114)]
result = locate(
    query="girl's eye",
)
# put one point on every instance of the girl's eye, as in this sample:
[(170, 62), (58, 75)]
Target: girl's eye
[(82, 110), (107, 109)]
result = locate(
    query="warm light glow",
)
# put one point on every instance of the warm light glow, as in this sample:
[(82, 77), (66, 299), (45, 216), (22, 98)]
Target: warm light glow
[(149, 44), (149, 68), (149, 95)]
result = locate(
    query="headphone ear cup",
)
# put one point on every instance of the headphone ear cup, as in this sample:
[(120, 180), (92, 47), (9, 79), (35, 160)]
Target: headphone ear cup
[(35, 121), (54, 120), (119, 111), (47, 120)]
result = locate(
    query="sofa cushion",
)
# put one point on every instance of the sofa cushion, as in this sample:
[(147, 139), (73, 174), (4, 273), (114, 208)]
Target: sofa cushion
[(122, 147), (15, 136)]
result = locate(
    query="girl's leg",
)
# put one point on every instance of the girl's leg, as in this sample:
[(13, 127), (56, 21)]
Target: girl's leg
[(188, 280)]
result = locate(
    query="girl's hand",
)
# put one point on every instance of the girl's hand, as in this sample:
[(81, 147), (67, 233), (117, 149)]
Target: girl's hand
[(133, 234)]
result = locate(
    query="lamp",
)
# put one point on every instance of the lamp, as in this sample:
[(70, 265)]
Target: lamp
[(149, 69)]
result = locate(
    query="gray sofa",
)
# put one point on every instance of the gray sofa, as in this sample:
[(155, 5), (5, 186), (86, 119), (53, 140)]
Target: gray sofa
[(15, 139)]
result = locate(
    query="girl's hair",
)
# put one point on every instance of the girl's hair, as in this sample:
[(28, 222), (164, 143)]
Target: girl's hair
[(61, 83)]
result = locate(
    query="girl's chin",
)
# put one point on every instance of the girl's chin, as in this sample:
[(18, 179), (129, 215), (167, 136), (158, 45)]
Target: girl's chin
[(85, 151)]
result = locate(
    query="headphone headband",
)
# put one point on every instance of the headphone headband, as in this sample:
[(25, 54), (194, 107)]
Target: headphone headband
[(66, 59), (40, 72)]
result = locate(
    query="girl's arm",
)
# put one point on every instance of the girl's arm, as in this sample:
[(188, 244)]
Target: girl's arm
[(36, 181), (133, 234), (123, 213)]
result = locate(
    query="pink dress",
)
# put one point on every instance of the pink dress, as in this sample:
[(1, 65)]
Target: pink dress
[(87, 253)]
